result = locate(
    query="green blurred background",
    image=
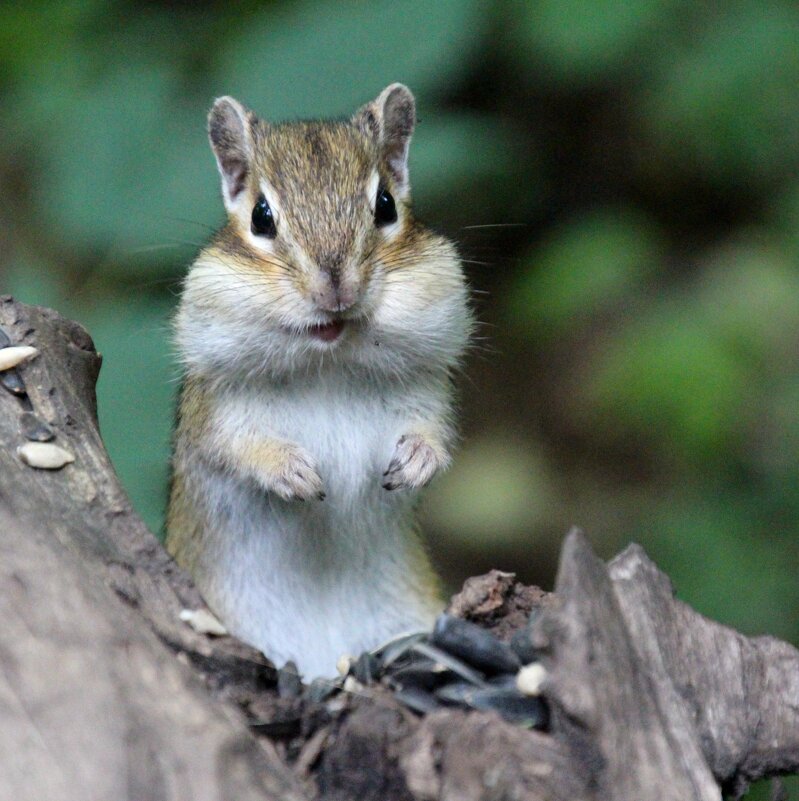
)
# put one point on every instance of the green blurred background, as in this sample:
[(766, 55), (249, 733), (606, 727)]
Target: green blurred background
[(622, 179)]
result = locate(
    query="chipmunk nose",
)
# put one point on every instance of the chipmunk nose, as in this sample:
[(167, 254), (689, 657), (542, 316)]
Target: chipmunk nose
[(335, 288), (334, 292)]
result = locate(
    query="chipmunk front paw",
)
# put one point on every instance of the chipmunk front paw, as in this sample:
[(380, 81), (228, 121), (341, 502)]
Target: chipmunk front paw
[(294, 476), (414, 463)]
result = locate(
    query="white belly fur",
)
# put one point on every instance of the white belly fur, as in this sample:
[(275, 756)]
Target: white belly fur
[(312, 580)]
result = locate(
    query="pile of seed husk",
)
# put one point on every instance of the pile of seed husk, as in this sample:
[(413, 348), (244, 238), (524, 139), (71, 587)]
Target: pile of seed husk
[(458, 664)]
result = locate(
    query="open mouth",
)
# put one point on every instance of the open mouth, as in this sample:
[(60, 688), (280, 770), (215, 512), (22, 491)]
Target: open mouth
[(329, 332)]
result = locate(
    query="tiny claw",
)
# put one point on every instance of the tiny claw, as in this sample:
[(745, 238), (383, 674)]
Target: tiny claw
[(414, 463), (321, 496)]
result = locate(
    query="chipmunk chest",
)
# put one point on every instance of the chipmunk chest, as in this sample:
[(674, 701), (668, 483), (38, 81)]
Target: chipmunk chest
[(348, 430)]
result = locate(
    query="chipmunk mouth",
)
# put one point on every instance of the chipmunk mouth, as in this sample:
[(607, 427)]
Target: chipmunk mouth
[(327, 332)]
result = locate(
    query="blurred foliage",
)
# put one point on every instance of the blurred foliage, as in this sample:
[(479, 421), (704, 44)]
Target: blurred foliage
[(622, 179)]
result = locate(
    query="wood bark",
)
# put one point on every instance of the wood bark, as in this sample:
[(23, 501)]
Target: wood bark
[(96, 703), (106, 694)]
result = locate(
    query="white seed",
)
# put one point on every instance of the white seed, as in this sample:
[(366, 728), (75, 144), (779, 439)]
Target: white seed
[(352, 685), (203, 622), (44, 455), (343, 664), (16, 354), (530, 679)]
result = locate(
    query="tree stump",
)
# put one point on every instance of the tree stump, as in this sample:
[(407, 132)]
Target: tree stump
[(106, 694)]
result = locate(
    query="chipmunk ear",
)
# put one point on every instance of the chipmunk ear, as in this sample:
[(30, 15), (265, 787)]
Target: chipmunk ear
[(231, 140), (390, 119)]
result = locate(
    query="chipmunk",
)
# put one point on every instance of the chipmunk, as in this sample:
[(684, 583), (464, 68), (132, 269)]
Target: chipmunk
[(318, 332)]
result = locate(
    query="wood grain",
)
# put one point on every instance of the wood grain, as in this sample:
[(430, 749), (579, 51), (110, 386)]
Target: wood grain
[(106, 694), (95, 702)]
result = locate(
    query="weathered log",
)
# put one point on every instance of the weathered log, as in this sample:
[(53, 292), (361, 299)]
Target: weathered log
[(94, 702), (105, 693), (739, 696)]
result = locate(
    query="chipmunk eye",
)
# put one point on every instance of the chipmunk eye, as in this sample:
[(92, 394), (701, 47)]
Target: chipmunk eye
[(263, 223), (385, 208)]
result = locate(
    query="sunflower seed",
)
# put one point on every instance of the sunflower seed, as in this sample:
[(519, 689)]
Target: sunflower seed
[(512, 706), (530, 678), (522, 646), (366, 668), (417, 700), (344, 664), (279, 729), (203, 622), (44, 455), (289, 683), (12, 381), (352, 685), (392, 650), (35, 429), (424, 676), (450, 662), (505, 682), (16, 354), (474, 645), (321, 689), (456, 693)]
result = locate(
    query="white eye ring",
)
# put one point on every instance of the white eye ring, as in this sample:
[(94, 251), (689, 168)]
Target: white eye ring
[(371, 190)]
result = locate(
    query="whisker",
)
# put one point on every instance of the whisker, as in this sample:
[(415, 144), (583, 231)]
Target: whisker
[(199, 224), (152, 248), (157, 282), (493, 225)]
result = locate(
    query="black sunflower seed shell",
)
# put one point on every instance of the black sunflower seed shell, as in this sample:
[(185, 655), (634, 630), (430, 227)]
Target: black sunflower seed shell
[(455, 693), (511, 705), (447, 661), (289, 683), (417, 700), (522, 645), (424, 676), (34, 429), (367, 668), (474, 645), (279, 729), (320, 690), (11, 380), (396, 649), (507, 681)]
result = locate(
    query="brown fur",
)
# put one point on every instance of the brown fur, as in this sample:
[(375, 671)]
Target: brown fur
[(321, 180), (185, 530)]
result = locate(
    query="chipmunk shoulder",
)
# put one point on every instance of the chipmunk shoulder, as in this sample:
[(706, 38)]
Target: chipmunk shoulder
[(318, 331)]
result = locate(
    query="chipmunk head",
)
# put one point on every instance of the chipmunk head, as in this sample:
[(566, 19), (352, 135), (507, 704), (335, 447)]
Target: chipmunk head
[(313, 197), (320, 239)]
